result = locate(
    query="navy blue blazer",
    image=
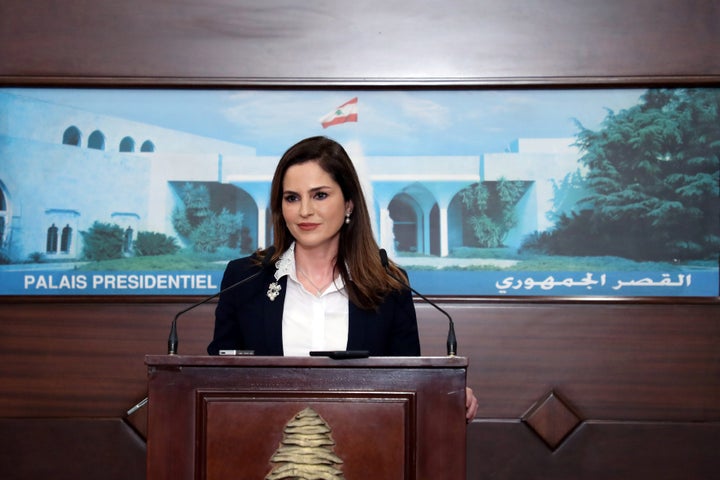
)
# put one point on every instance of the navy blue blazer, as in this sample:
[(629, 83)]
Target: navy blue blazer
[(247, 319)]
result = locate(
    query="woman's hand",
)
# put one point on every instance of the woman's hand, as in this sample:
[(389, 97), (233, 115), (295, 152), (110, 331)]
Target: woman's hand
[(471, 404)]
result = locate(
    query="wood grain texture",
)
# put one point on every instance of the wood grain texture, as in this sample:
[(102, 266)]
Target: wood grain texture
[(628, 370), (70, 449), (612, 361), (283, 42), (194, 399), (595, 451)]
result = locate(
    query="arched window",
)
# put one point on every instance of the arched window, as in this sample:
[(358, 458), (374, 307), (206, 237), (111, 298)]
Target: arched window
[(128, 240), (72, 136), (52, 239), (127, 144), (147, 146), (60, 240), (96, 140), (65, 239)]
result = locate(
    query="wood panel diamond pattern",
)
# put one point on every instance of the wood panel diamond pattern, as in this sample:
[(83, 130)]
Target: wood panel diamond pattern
[(552, 419)]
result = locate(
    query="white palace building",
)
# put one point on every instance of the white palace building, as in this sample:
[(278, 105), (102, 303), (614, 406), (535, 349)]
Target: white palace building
[(62, 169)]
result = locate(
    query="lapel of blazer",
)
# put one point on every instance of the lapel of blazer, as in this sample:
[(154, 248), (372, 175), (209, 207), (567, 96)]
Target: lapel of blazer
[(358, 319), (273, 317)]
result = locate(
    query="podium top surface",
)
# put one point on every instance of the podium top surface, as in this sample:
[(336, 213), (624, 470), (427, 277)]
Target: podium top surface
[(174, 361)]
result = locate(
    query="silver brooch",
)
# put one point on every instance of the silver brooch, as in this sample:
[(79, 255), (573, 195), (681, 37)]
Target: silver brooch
[(273, 291)]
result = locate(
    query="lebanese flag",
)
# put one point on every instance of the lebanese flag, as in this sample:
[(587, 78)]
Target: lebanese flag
[(347, 112)]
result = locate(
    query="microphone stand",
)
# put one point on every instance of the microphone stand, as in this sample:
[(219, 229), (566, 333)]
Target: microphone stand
[(451, 339), (173, 337)]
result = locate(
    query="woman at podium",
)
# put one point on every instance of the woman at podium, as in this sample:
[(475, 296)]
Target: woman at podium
[(322, 285)]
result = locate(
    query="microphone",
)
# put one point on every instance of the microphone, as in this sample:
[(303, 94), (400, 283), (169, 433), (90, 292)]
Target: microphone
[(173, 338), (451, 340)]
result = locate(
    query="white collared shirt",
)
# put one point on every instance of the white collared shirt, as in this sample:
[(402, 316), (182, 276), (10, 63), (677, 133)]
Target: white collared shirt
[(311, 322)]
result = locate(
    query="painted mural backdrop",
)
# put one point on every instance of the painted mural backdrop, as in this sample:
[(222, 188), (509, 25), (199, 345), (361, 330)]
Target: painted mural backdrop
[(607, 192)]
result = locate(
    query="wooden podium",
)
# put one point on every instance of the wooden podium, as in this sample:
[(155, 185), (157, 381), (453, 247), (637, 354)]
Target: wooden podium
[(252, 418)]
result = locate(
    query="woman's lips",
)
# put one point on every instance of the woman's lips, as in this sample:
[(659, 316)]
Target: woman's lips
[(308, 226)]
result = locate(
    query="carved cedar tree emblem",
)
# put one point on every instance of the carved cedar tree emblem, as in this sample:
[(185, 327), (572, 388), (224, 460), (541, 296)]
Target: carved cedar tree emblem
[(306, 451)]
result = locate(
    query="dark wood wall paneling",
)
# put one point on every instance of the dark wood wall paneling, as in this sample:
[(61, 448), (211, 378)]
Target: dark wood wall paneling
[(643, 380), (615, 362), (612, 389), (373, 42)]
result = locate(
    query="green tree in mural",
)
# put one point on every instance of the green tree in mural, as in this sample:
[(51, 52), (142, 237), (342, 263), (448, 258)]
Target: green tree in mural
[(206, 229), (653, 177), (489, 210)]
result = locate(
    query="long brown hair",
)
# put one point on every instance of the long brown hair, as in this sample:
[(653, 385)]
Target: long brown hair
[(358, 259)]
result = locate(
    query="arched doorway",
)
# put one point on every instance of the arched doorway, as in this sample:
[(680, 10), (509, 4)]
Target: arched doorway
[(407, 218)]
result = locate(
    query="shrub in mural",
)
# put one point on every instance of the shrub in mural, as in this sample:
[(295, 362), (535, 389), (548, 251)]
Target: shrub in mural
[(201, 225), (489, 211), (103, 241), (154, 243)]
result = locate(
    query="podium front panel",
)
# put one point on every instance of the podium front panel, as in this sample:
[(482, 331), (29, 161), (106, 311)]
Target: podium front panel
[(362, 436), (271, 418)]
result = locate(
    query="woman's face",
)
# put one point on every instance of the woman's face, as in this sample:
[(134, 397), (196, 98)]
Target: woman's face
[(313, 206)]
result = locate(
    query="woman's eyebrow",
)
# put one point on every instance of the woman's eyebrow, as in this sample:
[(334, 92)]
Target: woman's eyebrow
[(312, 190)]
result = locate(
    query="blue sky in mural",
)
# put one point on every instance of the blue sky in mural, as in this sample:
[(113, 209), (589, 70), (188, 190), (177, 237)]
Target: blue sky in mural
[(409, 122)]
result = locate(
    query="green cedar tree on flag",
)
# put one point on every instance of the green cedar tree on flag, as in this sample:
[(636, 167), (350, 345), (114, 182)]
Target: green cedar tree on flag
[(347, 112)]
